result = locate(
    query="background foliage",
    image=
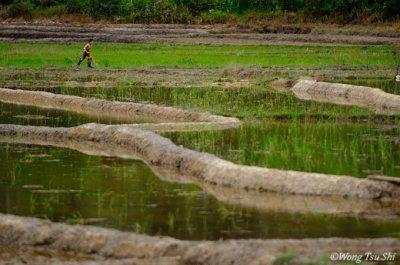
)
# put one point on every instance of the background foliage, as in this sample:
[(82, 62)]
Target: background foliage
[(207, 11)]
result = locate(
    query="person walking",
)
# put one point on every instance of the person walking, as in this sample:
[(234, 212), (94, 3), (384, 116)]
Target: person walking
[(86, 54)]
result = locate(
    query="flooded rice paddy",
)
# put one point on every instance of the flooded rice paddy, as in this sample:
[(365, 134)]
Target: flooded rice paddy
[(66, 185)]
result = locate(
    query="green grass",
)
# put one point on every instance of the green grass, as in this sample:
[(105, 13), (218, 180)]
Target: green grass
[(207, 56), (255, 102), (355, 149), (285, 258)]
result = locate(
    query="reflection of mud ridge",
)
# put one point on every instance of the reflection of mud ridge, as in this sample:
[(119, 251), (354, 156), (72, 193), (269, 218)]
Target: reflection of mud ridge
[(156, 150), (99, 243), (266, 201), (372, 98)]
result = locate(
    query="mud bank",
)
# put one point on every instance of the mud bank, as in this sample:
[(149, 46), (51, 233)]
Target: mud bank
[(368, 97), (111, 109), (101, 243), (156, 150), (180, 34)]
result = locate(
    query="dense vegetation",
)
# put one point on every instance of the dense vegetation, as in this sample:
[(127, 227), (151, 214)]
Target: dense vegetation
[(206, 11)]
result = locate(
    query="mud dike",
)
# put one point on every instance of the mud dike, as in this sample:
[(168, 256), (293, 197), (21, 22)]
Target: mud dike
[(367, 97), (224, 179)]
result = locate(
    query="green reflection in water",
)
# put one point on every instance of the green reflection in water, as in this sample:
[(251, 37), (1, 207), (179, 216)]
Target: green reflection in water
[(335, 148), (130, 197)]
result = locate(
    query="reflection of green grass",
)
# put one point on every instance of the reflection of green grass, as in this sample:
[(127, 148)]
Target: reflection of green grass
[(142, 55)]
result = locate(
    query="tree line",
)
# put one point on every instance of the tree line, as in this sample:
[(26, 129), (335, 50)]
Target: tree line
[(212, 11)]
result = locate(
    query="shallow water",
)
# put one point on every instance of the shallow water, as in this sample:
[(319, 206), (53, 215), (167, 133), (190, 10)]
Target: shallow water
[(26, 115), (126, 195)]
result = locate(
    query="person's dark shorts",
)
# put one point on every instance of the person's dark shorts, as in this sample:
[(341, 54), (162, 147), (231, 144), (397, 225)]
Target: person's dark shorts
[(85, 54)]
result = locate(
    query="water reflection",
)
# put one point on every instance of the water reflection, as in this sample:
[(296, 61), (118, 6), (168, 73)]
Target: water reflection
[(127, 195)]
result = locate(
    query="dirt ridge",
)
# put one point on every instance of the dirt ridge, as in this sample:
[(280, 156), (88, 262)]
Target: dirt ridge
[(112, 109), (116, 245), (368, 97)]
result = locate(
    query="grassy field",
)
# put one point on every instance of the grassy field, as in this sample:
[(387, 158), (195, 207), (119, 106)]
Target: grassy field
[(201, 56), (256, 101)]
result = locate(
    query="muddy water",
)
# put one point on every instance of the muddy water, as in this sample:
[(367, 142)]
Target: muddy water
[(68, 186), (355, 149)]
